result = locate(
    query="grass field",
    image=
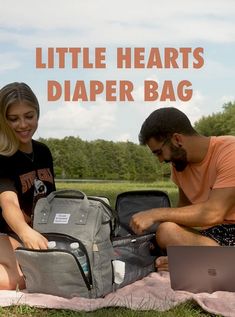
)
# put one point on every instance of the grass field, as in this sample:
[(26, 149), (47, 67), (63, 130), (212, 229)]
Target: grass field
[(188, 309), (110, 190)]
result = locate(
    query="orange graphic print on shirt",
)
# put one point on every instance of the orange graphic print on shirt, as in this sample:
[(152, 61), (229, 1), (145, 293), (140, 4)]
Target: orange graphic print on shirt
[(27, 180)]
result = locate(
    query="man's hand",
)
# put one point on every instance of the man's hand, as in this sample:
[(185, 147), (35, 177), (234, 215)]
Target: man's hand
[(142, 221)]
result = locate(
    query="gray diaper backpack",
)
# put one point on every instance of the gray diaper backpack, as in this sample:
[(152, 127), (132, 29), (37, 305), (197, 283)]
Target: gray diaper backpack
[(90, 253)]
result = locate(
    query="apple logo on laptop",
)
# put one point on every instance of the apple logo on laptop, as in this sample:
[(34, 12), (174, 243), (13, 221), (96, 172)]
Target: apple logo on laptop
[(212, 272)]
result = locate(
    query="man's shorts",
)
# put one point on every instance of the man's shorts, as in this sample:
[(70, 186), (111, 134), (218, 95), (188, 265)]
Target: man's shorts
[(222, 234)]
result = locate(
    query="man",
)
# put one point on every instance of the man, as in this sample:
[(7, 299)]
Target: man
[(203, 168)]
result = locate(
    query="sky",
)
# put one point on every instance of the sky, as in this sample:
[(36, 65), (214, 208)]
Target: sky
[(27, 24)]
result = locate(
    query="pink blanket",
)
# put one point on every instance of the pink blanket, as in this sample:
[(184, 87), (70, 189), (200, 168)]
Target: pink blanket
[(152, 292)]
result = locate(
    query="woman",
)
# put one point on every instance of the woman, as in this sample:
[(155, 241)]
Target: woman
[(26, 174)]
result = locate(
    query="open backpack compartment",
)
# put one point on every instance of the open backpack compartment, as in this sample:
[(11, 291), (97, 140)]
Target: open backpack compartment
[(111, 255)]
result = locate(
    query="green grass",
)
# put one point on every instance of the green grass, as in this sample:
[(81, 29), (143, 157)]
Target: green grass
[(189, 309), (110, 190)]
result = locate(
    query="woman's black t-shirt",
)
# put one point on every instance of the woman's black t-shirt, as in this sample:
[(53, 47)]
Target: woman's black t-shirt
[(30, 176)]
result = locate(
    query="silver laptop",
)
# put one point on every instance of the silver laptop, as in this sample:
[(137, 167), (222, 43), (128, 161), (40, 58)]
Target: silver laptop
[(202, 268)]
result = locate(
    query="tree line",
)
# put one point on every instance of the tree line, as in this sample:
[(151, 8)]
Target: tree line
[(104, 160), (108, 160), (221, 123)]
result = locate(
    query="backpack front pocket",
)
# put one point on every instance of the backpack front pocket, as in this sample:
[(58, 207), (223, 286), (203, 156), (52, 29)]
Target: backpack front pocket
[(55, 272)]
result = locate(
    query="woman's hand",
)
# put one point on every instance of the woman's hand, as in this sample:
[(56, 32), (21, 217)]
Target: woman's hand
[(17, 221), (32, 239)]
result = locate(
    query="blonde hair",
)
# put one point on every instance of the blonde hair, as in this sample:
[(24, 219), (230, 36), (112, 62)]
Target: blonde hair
[(10, 94)]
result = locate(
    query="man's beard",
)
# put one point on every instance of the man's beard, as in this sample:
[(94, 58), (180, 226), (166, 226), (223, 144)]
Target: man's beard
[(178, 158)]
